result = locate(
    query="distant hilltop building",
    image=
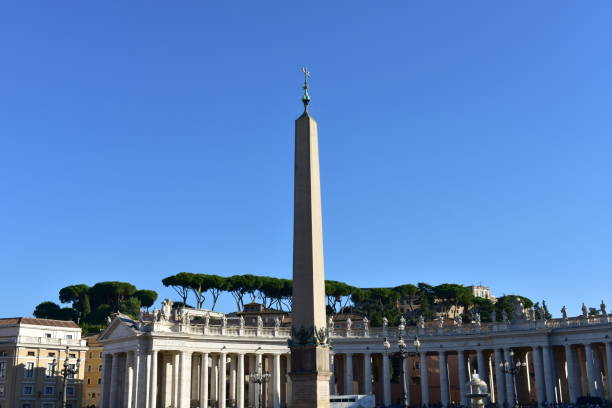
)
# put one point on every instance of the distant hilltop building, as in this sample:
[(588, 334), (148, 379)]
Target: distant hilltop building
[(482, 292)]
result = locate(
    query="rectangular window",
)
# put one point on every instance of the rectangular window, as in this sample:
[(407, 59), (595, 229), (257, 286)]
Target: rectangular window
[(100, 354), (71, 367), (48, 390), (29, 370), (70, 391), (3, 354), (28, 389), (69, 337), (90, 354), (100, 368), (89, 381), (72, 355), (31, 354), (89, 369), (2, 390), (99, 381), (2, 370), (51, 354), (49, 371), (48, 335)]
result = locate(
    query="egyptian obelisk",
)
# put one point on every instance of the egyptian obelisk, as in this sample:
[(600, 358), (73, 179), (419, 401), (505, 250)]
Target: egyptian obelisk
[(309, 340)]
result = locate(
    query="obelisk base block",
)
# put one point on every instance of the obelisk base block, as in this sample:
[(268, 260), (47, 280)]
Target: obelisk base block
[(309, 377), (310, 390)]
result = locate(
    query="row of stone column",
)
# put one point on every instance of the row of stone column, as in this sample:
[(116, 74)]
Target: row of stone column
[(135, 379), (588, 369)]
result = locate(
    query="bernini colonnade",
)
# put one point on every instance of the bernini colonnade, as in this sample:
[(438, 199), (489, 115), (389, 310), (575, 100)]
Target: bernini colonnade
[(170, 362)]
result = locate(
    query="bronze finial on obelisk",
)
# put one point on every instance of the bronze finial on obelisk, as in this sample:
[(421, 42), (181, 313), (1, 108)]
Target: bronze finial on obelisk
[(309, 341)]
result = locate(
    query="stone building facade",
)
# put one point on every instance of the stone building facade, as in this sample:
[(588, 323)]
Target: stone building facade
[(169, 361), (28, 348)]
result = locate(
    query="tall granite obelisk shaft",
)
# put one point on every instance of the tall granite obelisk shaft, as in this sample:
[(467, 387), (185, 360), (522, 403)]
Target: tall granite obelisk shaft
[(309, 342)]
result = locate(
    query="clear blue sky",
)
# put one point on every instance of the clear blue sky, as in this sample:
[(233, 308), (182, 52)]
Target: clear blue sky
[(460, 142)]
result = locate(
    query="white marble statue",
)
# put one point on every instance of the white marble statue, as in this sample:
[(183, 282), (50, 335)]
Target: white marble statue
[(440, 321), (223, 321), (402, 324), (602, 306), (349, 324), (366, 323), (259, 322), (241, 322), (532, 314), (477, 320), (504, 316), (385, 322), (564, 312), (155, 315), (277, 322), (207, 320), (330, 322), (518, 308), (458, 321), (585, 311), (421, 323), (166, 309)]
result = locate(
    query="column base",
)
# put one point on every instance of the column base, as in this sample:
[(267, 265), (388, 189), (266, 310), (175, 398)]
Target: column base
[(309, 390)]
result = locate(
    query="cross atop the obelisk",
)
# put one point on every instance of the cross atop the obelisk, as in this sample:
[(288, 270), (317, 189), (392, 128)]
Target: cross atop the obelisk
[(305, 87)]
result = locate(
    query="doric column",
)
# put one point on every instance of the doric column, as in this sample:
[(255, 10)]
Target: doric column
[(128, 387), (153, 380), (115, 398), (332, 370), (462, 376), (252, 386), (168, 379), (406, 378), (348, 374), (609, 368), (276, 381), (222, 379), (176, 375), (509, 381), (480, 364), (259, 388), (549, 377), (367, 373), (386, 377), (539, 375), (214, 378), (195, 378), (105, 383), (571, 373), (240, 382), (204, 380), (232, 380), (185, 379), (444, 399), (140, 390), (500, 381), (288, 388), (588, 355), (424, 378)]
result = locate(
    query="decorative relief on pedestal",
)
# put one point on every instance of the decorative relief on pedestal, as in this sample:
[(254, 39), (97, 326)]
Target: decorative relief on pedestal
[(309, 337)]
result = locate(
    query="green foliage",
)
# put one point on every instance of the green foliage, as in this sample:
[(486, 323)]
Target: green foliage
[(485, 307), (147, 297), (130, 307), (506, 303), (451, 295), (47, 310)]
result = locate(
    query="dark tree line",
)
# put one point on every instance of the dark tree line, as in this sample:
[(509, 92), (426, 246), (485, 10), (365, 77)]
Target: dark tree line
[(90, 306)]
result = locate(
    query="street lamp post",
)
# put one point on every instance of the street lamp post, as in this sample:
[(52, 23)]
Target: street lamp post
[(513, 368), (402, 354), (67, 371), (259, 377)]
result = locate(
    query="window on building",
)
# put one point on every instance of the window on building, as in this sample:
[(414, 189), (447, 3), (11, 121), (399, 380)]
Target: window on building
[(70, 391), (89, 381), (29, 370), (51, 354), (69, 337), (31, 353), (93, 395), (99, 381), (49, 390), (89, 369), (49, 372), (71, 367), (28, 390), (3, 353), (72, 355), (100, 368), (2, 390), (100, 354), (2, 370), (48, 335), (90, 354)]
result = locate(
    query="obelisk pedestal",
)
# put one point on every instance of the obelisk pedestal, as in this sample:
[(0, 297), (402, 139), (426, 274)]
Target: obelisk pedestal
[(309, 341)]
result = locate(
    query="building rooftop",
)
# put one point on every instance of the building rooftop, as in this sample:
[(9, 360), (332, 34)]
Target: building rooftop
[(38, 322)]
